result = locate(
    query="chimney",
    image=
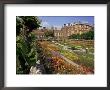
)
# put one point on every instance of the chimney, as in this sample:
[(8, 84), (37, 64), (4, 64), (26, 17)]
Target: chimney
[(64, 25), (44, 27), (68, 24), (55, 28)]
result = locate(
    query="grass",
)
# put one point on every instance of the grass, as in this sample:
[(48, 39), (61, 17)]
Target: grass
[(69, 55), (85, 60)]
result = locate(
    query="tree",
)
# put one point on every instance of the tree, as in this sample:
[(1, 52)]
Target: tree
[(26, 53), (49, 33), (18, 25), (30, 22), (75, 36), (87, 35)]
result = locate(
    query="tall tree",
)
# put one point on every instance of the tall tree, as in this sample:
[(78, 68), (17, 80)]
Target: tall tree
[(31, 22), (25, 48), (19, 26), (49, 33)]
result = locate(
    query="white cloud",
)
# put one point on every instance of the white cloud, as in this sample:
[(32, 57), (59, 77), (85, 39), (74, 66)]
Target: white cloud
[(58, 27), (85, 22), (45, 24)]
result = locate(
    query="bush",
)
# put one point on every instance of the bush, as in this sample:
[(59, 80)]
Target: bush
[(87, 36), (26, 50), (73, 48)]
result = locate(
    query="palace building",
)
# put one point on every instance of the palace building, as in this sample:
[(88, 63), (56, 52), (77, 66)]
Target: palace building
[(69, 29), (66, 30)]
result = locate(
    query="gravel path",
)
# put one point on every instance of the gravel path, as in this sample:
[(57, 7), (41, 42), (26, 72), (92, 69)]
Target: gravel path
[(55, 53)]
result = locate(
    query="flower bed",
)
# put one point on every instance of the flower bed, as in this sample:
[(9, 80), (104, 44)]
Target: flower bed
[(57, 65)]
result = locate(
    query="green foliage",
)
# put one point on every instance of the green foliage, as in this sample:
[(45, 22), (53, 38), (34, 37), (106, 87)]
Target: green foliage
[(26, 51), (87, 36), (73, 48), (31, 22), (86, 60), (27, 57), (18, 25), (69, 55), (21, 52), (49, 34), (75, 36)]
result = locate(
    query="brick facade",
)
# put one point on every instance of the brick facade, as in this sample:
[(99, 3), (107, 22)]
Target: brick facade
[(65, 31), (70, 29)]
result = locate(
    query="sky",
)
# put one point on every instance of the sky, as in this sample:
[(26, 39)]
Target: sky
[(59, 21)]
